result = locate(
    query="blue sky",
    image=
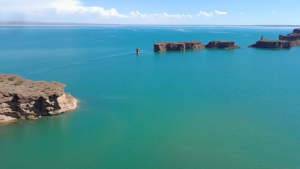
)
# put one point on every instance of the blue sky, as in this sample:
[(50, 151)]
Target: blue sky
[(229, 12)]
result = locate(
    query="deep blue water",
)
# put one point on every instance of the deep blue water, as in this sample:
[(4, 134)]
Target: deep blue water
[(212, 109)]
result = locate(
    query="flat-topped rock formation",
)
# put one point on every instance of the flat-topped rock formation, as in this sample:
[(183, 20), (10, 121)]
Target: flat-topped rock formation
[(181, 46), (275, 44), (296, 30), (193, 45), (22, 98), (294, 37), (222, 45), (177, 46)]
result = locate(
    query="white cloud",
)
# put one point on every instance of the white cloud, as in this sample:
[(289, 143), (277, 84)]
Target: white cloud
[(211, 14), (137, 14), (201, 13), (75, 6), (66, 9), (221, 13)]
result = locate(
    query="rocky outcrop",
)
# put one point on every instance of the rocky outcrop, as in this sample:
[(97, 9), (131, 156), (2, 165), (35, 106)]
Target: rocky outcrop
[(275, 44), (6, 119), (295, 43), (22, 98), (193, 45), (294, 37), (296, 31), (222, 45), (180, 46)]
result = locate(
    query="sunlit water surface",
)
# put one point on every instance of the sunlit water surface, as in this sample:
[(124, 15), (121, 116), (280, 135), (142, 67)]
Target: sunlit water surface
[(208, 109)]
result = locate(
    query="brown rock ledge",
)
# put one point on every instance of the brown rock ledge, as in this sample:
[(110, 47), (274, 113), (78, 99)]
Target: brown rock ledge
[(275, 44), (294, 37), (180, 46), (222, 45), (26, 99)]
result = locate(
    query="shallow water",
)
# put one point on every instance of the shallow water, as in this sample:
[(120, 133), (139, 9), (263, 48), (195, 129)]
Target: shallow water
[(235, 109)]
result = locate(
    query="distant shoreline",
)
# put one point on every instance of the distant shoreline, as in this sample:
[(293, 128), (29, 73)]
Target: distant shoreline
[(15, 23)]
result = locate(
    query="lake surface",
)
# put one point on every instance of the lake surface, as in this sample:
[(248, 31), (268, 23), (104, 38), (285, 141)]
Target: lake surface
[(208, 109)]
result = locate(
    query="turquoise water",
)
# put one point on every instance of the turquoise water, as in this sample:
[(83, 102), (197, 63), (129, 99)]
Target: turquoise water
[(210, 109)]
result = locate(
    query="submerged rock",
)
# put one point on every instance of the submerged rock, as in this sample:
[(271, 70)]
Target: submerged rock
[(22, 98), (275, 44), (180, 46), (294, 37), (222, 45)]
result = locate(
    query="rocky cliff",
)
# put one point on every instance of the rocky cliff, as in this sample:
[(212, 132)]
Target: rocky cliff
[(180, 46), (296, 31), (294, 37), (222, 45), (276, 44), (22, 98), (193, 45)]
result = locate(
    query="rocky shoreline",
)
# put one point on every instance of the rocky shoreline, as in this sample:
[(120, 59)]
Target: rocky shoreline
[(25, 99)]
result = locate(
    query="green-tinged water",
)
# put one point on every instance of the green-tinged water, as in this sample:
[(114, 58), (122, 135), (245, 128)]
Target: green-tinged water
[(206, 109)]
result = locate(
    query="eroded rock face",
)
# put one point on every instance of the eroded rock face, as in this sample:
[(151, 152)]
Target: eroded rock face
[(21, 98), (296, 31), (295, 43), (193, 45), (222, 45), (160, 47), (6, 119), (275, 44), (294, 37), (180, 46), (175, 46)]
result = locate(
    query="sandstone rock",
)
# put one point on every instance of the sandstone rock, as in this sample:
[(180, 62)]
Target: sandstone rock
[(276, 44), (176, 46), (180, 46), (296, 31), (294, 37), (193, 45), (20, 97), (6, 119), (222, 45), (160, 46), (295, 43)]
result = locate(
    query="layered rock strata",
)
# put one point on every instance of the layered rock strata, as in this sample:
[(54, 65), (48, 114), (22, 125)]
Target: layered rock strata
[(193, 45), (180, 46), (294, 37), (22, 98), (296, 30), (222, 45), (275, 44)]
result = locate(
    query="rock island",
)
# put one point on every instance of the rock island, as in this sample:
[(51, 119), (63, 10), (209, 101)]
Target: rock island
[(294, 37), (182, 46), (26, 99), (276, 44), (177, 46), (222, 45)]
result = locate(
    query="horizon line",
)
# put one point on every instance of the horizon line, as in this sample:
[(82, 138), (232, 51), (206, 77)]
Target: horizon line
[(41, 23)]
